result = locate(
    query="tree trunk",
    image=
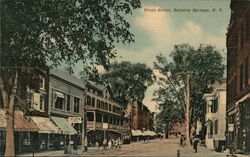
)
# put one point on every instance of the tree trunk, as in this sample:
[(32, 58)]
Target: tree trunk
[(10, 145), (3, 92)]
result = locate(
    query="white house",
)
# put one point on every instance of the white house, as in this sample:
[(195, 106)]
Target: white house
[(216, 116)]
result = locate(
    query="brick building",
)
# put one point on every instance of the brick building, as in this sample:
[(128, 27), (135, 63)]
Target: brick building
[(238, 77)]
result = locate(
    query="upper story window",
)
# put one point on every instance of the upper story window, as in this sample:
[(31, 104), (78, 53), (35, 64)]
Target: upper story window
[(98, 104), (68, 102), (42, 101), (88, 100), (42, 83), (76, 105), (93, 102), (30, 98), (59, 100), (214, 106)]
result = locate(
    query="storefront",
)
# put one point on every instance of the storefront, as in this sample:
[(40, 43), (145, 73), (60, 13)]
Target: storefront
[(66, 131), (46, 133), (24, 132)]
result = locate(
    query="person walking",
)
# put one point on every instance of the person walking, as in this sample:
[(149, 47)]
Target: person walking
[(195, 143)]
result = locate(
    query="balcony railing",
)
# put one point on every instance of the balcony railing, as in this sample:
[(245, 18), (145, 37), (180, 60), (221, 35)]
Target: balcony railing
[(98, 125)]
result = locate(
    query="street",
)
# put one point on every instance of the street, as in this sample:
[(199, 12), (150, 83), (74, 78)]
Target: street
[(166, 148)]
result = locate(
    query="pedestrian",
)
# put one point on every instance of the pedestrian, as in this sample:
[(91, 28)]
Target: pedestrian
[(195, 143), (104, 144), (97, 144), (109, 144), (181, 140), (119, 143)]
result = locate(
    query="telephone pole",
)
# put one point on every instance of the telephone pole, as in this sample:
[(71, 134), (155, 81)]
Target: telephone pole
[(187, 108)]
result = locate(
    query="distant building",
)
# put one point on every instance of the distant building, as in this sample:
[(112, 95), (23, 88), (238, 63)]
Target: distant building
[(105, 114), (216, 116), (143, 119), (238, 77)]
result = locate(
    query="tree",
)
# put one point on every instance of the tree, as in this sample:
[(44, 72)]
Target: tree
[(36, 35), (204, 64), (129, 80)]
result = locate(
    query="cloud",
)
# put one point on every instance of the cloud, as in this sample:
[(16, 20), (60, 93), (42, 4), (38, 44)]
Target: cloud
[(163, 31)]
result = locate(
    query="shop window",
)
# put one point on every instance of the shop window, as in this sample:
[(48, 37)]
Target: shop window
[(121, 122), (90, 116), (76, 105)]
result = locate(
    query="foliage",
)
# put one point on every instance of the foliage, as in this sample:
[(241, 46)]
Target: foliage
[(37, 34), (204, 65), (129, 80)]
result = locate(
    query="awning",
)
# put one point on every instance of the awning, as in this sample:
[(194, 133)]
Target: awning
[(64, 125), (136, 132), (45, 125), (59, 94), (21, 122)]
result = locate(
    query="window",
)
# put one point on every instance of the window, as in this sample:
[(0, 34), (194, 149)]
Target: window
[(30, 99), (76, 105), (106, 106), (102, 105), (214, 105), (98, 104), (110, 109), (110, 120), (42, 83), (88, 100), (93, 102), (68, 102), (216, 127), (90, 116), (42, 101), (98, 117), (59, 102), (105, 118)]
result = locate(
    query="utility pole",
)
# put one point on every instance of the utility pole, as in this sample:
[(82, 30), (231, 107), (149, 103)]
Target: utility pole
[(187, 109)]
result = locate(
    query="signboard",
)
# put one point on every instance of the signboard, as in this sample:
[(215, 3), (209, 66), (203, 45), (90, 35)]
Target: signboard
[(75, 120), (105, 125)]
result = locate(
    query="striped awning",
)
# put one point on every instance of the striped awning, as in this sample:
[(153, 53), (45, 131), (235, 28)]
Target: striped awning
[(64, 125), (136, 132), (21, 122), (45, 125)]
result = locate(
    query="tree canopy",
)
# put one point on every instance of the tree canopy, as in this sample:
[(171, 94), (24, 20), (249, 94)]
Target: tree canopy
[(204, 65), (37, 35), (129, 80)]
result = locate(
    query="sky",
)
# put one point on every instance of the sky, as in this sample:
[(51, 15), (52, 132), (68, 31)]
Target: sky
[(160, 24)]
